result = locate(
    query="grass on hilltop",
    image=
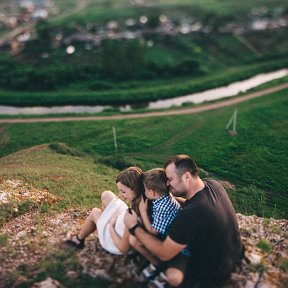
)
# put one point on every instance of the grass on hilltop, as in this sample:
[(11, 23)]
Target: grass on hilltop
[(78, 179)]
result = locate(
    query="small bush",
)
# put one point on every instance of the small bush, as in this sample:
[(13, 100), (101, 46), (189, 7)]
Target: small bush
[(62, 148), (117, 161)]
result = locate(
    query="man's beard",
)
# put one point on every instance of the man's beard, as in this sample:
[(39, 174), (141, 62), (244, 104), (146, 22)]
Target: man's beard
[(178, 193)]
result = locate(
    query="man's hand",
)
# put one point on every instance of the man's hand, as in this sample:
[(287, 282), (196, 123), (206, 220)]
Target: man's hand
[(130, 218)]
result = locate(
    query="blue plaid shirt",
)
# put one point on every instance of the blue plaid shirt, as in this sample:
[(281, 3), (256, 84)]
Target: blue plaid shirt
[(164, 210)]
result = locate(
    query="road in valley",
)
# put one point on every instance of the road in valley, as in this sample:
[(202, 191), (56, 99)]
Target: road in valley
[(184, 111)]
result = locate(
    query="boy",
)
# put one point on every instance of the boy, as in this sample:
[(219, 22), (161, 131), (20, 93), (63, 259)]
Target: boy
[(164, 209)]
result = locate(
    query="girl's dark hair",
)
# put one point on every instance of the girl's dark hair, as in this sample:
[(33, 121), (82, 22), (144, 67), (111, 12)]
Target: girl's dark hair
[(132, 177)]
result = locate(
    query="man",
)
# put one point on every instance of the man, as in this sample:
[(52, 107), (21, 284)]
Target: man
[(207, 225)]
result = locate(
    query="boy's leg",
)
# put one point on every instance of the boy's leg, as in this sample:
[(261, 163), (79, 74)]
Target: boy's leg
[(137, 245), (175, 269), (174, 272), (174, 276)]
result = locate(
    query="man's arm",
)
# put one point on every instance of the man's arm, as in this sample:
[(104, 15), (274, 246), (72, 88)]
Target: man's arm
[(164, 250)]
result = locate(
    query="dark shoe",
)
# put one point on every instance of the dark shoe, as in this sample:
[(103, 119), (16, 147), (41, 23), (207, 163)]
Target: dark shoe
[(74, 241)]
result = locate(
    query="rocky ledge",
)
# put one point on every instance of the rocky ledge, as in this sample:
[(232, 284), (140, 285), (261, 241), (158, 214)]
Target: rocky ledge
[(265, 263), (31, 237)]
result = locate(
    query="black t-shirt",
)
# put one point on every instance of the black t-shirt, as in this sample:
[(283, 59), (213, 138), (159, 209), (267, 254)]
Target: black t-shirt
[(208, 225)]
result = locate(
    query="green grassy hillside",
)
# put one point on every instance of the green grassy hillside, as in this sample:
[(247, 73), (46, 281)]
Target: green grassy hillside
[(77, 179), (254, 160)]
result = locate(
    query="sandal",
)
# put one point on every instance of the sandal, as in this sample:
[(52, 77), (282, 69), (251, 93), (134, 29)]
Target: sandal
[(150, 271), (75, 241), (159, 281)]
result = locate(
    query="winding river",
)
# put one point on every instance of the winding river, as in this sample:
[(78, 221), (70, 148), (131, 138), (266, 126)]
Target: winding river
[(232, 89)]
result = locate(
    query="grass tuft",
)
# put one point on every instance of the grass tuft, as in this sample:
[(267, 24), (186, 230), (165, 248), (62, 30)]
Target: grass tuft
[(3, 239), (264, 245)]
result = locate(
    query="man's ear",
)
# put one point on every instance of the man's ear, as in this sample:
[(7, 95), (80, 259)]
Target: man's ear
[(187, 175)]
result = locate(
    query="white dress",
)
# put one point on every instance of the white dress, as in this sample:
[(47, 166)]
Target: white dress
[(116, 206)]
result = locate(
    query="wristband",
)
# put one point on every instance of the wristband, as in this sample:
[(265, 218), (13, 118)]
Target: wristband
[(133, 228)]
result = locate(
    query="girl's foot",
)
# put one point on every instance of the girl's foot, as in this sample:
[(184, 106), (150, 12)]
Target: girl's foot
[(74, 241)]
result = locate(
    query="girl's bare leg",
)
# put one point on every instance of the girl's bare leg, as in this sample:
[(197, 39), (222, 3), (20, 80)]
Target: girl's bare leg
[(89, 225), (106, 197)]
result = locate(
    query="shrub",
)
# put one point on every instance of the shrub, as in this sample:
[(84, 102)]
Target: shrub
[(117, 161), (62, 148)]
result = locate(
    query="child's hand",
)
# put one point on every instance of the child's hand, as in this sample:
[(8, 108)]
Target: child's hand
[(143, 205), (130, 218)]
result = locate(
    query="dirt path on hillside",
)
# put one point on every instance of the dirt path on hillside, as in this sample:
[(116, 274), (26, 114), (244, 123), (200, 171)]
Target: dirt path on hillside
[(183, 111)]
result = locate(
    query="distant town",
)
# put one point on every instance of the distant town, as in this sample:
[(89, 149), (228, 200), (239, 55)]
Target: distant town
[(19, 17)]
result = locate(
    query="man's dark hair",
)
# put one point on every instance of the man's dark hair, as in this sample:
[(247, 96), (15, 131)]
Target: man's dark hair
[(183, 163)]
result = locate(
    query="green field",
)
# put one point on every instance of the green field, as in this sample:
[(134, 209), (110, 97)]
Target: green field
[(254, 160)]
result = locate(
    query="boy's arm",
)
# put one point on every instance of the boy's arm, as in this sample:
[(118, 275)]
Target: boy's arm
[(145, 218)]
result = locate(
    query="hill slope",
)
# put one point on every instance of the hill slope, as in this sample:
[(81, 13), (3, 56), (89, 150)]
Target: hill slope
[(254, 160), (32, 236)]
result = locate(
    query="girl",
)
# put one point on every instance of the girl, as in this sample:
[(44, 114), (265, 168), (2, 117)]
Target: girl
[(109, 220)]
